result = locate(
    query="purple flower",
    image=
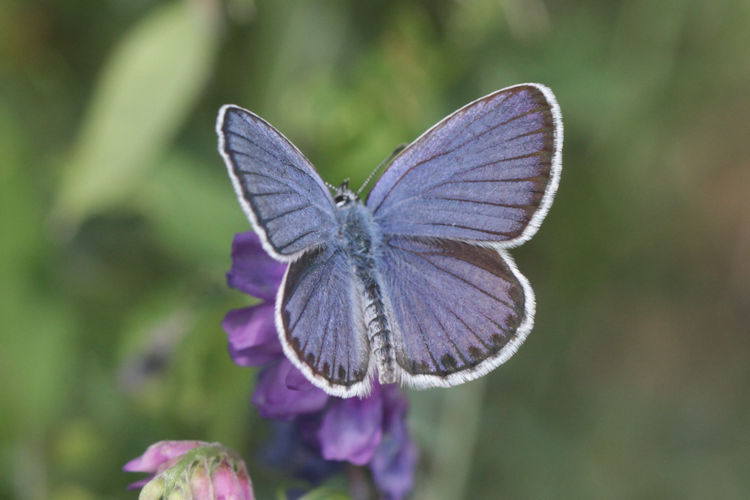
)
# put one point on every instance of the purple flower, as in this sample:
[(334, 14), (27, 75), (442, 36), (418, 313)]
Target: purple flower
[(253, 271), (294, 448), (362, 431), (281, 394), (352, 428), (395, 459), (251, 331), (191, 469), (252, 335)]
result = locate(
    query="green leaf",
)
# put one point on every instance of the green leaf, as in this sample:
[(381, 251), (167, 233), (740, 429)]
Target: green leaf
[(325, 493), (148, 86)]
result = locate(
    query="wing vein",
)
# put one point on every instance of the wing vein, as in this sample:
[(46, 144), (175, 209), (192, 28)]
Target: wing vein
[(408, 301), (247, 139), (445, 332), (313, 288), (479, 202), (460, 278), (317, 314), (283, 163), (295, 240), (284, 213), (446, 152), (461, 226)]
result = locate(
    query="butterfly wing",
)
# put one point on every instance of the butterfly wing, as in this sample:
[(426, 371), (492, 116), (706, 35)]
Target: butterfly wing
[(286, 200), (476, 183), (485, 174), (319, 314), (457, 310)]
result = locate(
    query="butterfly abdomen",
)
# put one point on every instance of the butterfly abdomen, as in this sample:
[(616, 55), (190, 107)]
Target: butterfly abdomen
[(360, 239), (378, 330)]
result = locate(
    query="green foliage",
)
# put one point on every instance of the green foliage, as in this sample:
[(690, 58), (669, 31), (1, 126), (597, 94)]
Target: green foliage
[(320, 494), (149, 85), (116, 218)]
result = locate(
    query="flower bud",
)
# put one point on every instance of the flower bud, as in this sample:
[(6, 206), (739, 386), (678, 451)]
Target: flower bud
[(192, 470)]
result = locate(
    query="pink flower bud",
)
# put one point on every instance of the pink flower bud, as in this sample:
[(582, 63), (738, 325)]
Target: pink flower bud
[(194, 470)]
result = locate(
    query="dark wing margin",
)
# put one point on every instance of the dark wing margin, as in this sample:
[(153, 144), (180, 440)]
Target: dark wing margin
[(485, 174), (457, 310), (283, 196), (320, 324)]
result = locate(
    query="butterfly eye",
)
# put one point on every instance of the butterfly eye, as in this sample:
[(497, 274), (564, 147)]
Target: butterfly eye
[(341, 200), (344, 195)]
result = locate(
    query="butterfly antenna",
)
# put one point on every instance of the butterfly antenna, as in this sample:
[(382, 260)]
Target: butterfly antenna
[(384, 163), (330, 186)]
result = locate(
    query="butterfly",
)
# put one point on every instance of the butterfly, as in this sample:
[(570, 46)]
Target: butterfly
[(414, 285)]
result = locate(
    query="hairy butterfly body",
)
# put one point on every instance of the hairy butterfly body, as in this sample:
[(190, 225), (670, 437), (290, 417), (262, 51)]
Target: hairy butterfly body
[(414, 285)]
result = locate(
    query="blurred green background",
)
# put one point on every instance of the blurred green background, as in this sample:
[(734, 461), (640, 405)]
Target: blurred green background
[(116, 218)]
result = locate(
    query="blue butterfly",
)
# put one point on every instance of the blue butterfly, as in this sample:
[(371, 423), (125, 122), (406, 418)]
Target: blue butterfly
[(415, 284)]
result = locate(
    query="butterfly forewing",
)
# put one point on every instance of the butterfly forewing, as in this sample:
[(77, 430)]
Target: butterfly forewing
[(279, 189), (320, 316), (457, 310), (486, 173)]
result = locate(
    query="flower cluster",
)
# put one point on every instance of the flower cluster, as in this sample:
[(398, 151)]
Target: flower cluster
[(362, 431)]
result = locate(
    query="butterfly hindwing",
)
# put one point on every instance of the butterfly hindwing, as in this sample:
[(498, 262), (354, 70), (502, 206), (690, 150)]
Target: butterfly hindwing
[(486, 173), (319, 316), (281, 192), (456, 310)]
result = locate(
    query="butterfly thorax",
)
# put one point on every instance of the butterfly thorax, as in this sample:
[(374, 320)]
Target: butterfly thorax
[(359, 238)]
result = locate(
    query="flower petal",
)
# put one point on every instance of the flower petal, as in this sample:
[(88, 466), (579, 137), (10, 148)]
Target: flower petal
[(275, 399), (160, 453), (228, 484), (352, 428), (200, 481), (252, 336), (394, 462), (395, 459), (288, 449), (296, 381), (253, 271)]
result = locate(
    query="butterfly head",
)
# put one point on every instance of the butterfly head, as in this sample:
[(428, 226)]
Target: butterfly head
[(344, 195)]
